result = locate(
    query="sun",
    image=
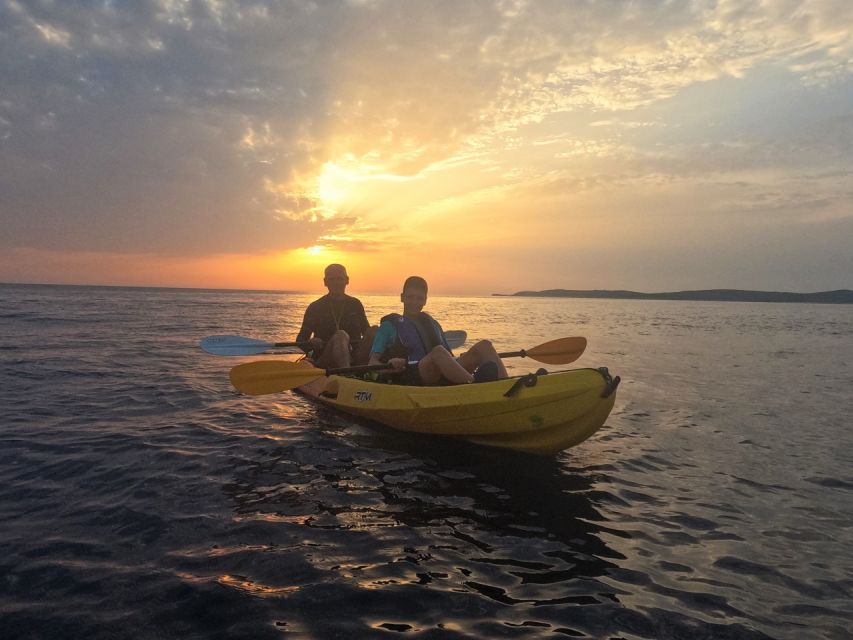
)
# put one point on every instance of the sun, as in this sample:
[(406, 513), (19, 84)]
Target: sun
[(316, 250), (335, 185)]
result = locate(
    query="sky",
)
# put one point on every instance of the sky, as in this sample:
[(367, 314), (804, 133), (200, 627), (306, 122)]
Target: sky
[(487, 145)]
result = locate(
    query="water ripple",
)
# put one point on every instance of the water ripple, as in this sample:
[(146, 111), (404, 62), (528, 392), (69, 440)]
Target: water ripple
[(143, 498)]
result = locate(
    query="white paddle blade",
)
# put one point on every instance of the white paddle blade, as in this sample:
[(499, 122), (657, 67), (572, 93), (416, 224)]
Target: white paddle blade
[(455, 339), (234, 346)]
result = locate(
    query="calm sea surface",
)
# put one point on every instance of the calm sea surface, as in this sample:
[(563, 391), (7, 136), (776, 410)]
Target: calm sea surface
[(142, 497)]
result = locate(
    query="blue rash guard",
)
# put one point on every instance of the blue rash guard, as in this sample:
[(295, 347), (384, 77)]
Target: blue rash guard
[(408, 337)]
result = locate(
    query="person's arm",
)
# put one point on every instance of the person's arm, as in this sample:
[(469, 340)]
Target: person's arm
[(305, 330), (380, 341), (365, 325), (385, 335), (442, 337), (308, 329)]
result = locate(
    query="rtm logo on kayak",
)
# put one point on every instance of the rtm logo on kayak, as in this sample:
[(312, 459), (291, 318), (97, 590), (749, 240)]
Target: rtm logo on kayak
[(363, 396)]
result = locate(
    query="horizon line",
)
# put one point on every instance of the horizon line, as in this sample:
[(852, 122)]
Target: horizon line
[(306, 292)]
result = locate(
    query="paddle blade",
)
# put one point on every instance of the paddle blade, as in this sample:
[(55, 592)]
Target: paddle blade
[(455, 338), (271, 376), (560, 351), (234, 346)]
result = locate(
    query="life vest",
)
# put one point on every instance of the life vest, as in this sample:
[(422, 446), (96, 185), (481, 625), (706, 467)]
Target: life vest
[(416, 337)]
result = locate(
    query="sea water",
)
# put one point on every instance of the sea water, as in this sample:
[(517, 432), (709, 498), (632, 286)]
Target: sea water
[(142, 497)]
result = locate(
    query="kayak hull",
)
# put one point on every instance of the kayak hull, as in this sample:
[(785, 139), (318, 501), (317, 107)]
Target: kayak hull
[(541, 414)]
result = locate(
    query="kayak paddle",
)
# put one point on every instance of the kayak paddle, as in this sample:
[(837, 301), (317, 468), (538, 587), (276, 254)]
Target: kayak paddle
[(270, 376), (455, 339), (559, 351), (240, 346)]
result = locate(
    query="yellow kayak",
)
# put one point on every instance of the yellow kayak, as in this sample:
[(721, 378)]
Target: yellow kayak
[(540, 413)]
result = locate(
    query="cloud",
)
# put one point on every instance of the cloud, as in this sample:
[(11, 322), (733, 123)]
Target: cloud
[(179, 127)]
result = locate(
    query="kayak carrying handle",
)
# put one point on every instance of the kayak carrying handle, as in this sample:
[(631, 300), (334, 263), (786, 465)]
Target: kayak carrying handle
[(528, 380), (610, 383)]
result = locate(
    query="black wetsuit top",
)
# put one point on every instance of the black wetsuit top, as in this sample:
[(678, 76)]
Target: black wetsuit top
[(325, 316)]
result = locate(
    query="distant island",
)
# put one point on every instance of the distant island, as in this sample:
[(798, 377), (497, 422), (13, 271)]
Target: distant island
[(841, 296)]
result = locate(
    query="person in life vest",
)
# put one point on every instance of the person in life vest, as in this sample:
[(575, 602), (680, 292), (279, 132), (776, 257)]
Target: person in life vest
[(416, 336), (335, 326)]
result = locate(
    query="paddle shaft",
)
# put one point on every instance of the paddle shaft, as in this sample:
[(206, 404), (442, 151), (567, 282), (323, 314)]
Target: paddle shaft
[(455, 339), (513, 354), (382, 366), (364, 368), (270, 376), (301, 345)]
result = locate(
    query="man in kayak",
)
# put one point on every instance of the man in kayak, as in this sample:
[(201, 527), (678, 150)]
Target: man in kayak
[(416, 336), (335, 325)]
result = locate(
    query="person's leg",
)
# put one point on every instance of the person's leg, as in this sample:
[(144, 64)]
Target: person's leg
[(480, 353), (336, 352), (440, 363)]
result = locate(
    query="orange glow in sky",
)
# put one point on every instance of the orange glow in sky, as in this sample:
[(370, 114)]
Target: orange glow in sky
[(582, 147)]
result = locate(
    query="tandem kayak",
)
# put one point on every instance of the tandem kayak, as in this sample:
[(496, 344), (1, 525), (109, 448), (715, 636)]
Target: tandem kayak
[(539, 412)]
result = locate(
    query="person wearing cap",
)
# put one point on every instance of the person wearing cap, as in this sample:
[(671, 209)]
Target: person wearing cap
[(335, 326), (417, 336)]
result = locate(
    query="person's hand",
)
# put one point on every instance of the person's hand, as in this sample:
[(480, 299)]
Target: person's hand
[(316, 344), (397, 364)]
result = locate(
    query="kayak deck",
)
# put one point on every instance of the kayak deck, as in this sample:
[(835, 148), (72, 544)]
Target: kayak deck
[(539, 413)]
